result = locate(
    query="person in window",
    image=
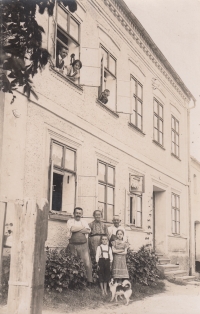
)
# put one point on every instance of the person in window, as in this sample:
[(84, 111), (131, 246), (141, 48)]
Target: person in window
[(112, 230), (97, 229), (104, 96), (77, 233), (61, 59), (73, 71)]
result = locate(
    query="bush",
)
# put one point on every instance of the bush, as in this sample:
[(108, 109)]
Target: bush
[(142, 266), (64, 271)]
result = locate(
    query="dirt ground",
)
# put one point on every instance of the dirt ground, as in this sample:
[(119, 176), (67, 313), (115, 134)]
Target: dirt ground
[(177, 299)]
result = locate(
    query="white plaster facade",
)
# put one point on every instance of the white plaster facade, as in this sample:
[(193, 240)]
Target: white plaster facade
[(71, 115)]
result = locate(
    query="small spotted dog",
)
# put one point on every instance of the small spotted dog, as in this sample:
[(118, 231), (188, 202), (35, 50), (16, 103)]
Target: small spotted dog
[(120, 289)]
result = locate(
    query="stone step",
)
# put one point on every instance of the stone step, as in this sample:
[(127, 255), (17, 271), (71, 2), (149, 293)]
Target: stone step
[(186, 278), (163, 261), (195, 283), (167, 267), (175, 273), (158, 254)]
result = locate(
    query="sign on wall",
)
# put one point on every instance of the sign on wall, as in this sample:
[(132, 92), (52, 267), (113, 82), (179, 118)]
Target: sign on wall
[(136, 183)]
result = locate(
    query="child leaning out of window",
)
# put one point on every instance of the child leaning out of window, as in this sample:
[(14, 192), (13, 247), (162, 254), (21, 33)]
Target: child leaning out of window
[(73, 71)]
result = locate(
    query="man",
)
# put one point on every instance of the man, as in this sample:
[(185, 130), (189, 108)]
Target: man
[(113, 229), (104, 96), (60, 62), (77, 234)]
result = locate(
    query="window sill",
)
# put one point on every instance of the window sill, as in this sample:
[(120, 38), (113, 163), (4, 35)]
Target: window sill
[(106, 108), (175, 235), (158, 144), (175, 156), (62, 216), (133, 228), (132, 126), (53, 69)]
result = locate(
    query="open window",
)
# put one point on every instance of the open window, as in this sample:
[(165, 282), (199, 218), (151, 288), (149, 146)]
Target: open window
[(108, 77), (135, 210), (62, 178)]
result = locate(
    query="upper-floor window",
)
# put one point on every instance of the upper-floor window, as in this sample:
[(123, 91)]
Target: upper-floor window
[(175, 136), (63, 177), (175, 213), (108, 82), (106, 190), (158, 122), (137, 94)]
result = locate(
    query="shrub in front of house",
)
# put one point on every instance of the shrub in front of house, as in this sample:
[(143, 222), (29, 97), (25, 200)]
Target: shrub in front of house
[(142, 266), (5, 273)]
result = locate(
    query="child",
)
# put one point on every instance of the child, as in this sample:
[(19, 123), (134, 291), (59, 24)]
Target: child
[(73, 71), (104, 259), (104, 96), (119, 248), (60, 62)]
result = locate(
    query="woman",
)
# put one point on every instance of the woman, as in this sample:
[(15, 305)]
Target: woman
[(98, 228)]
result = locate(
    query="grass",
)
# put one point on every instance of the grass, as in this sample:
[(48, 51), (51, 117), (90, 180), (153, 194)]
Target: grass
[(70, 300)]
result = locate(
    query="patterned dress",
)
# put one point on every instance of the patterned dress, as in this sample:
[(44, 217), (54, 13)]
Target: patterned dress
[(97, 229), (119, 269)]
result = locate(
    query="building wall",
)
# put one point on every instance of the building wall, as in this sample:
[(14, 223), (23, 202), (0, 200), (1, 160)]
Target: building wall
[(73, 116)]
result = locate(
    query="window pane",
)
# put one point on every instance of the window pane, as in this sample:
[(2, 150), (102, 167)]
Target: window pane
[(102, 208), (104, 55), (155, 122), (155, 134), (160, 125), (173, 148), (173, 214), (101, 193), (139, 204), (139, 91), (173, 136), (139, 122), (110, 195), (74, 29), (132, 210), (177, 139), (160, 111), (57, 192), (134, 103), (173, 123), (133, 120), (69, 159), (178, 215), (173, 227), (160, 138), (139, 107), (112, 65), (61, 38), (177, 202), (57, 154), (177, 126), (173, 200), (110, 212), (62, 18), (68, 197), (102, 172), (177, 150), (133, 86), (139, 219), (110, 175), (155, 107)]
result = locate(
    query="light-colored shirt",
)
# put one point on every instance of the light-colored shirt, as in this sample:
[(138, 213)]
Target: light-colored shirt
[(105, 248), (72, 222), (112, 230)]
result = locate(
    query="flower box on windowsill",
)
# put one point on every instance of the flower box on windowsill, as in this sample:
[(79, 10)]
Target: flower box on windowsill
[(59, 215)]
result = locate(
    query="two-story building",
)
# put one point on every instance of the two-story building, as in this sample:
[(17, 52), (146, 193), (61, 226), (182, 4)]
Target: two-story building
[(129, 156)]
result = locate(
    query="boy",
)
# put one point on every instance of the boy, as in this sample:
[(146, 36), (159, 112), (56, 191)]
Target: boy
[(104, 96), (60, 62)]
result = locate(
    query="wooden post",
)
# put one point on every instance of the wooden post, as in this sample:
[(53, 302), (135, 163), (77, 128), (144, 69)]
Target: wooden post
[(2, 228), (27, 268)]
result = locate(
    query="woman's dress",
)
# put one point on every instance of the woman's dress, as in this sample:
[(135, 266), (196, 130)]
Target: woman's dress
[(119, 269)]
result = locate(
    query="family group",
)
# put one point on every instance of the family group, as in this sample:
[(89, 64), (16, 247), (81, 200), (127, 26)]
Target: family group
[(72, 71), (108, 246)]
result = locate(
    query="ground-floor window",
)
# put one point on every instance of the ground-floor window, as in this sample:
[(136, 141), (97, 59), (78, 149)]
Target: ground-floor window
[(175, 213), (136, 210), (62, 178), (106, 190)]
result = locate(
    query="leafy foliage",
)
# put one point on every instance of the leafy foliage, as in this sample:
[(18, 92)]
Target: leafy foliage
[(5, 277), (142, 266), (21, 52)]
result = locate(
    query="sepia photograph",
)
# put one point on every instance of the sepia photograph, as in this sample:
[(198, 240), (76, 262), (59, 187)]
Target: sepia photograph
[(99, 156)]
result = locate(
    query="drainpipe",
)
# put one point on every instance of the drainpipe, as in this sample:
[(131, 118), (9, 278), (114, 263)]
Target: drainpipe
[(189, 188)]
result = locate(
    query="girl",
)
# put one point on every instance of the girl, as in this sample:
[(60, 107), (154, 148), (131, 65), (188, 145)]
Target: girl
[(73, 71), (119, 248), (104, 260)]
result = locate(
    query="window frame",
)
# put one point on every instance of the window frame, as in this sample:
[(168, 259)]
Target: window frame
[(136, 211), (107, 70), (159, 118), (106, 184), (173, 130), (175, 210), (61, 169), (136, 99)]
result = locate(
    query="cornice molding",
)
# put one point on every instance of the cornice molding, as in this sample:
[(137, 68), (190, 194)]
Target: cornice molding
[(157, 85), (133, 32)]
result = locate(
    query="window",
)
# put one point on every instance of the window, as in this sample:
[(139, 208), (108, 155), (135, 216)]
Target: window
[(175, 137), (67, 32), (136, 210), (137, 93), (106, 190), (158, 122), (108, 77), (63, 177), (175, 213)]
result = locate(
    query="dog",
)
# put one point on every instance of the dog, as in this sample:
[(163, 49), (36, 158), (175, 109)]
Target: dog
[(120, 289)]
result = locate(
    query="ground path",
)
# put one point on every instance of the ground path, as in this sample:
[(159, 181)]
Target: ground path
[(177, 299)]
